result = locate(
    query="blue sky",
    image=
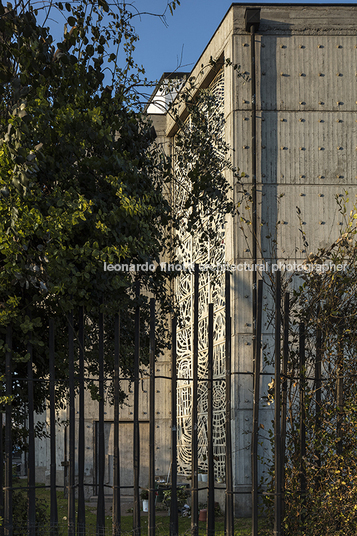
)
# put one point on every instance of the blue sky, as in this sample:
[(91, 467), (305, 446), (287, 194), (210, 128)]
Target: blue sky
[(164, 48), (176, 44)]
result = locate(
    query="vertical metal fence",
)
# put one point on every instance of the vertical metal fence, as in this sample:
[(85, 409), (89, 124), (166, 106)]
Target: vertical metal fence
[(77, 525), (76, 347)]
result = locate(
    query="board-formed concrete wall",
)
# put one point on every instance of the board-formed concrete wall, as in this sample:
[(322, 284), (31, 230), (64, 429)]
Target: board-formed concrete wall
[(306, 59)]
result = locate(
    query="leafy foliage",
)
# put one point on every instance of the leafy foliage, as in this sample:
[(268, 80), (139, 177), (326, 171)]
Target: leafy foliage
[(81, 183), (20, 514), (202, 161), (77, 185), (326, 304), (182, 496)]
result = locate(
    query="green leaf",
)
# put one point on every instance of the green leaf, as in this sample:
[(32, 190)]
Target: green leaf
[(89, 50)]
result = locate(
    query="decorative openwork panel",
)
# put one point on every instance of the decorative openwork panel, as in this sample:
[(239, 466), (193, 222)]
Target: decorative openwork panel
[(211, 290)]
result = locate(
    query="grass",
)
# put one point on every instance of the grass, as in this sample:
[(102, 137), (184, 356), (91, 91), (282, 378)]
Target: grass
[(242, 526)]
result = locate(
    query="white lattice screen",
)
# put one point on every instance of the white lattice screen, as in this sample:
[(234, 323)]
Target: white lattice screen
[(211, 289)]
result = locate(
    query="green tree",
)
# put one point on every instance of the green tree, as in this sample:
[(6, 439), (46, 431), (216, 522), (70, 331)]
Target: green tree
[(77, 176), (81, 183)]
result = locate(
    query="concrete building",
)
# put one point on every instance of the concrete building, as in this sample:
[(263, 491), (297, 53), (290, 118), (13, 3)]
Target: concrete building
[(291, 119), (305, 116)]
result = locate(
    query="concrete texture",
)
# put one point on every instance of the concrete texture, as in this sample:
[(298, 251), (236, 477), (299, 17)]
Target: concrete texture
[(306, 156)]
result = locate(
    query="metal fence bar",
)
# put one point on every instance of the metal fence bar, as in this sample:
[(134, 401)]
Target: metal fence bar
[(81, 518), (302, 422), (229, 476), (71, 482), (277, 443), (8, 521), (136, 439), (31, 496), (116, 465), (65, 463), (173, 506), (210, 494), (151, 520), (100, 439), (194, 444), (54, 511), (284, 395), (339, 387), (318, 384), (256, 397)]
